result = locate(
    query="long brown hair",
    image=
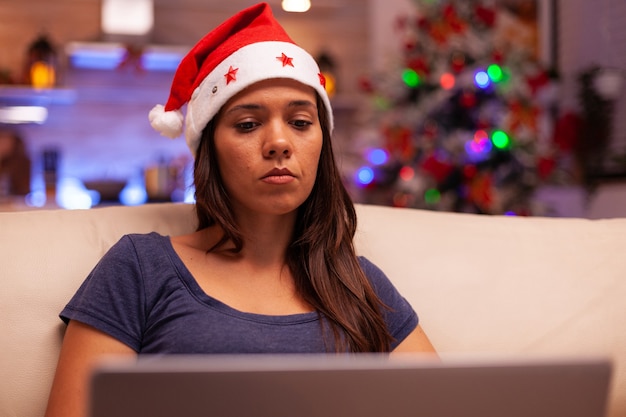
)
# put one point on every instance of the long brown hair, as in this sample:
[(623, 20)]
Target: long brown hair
[(321, 256)]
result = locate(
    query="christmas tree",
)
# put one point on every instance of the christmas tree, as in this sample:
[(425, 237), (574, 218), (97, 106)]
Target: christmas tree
[(462, 120)]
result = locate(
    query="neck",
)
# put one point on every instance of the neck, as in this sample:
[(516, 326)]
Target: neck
[(265, 238)]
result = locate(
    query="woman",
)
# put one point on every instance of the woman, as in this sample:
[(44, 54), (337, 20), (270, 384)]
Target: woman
[(271, 267)]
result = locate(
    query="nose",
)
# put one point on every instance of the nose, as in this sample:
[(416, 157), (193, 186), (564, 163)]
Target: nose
[(277, 142)]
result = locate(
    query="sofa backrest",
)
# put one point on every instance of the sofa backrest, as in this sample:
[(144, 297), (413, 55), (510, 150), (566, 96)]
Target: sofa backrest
[(44, 257), (481, 284)]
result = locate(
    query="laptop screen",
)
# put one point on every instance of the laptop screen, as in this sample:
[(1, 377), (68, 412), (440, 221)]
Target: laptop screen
[(349, 386)]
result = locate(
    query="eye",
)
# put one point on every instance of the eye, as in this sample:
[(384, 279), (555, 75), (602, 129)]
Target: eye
[(246, 126), (301, 123)]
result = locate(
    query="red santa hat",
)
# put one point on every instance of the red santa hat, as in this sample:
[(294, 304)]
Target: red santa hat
[(249, 47)]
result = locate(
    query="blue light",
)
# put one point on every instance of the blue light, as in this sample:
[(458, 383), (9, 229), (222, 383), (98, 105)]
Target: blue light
[(479, 148), (377, 156), (37, 198), (133, 194), (190, 195), (482, 80), (161, 61), (97, 58), (72, 195), (365, 175)]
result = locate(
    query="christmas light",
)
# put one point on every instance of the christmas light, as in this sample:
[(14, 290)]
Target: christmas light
[(401, 200), (377, 156), (331, 84), (365, 175), (481, 79), (447, 81), (134, 193), (432, 196), (479, 147), (407, 173), (480, 135), (410, 78), (500, 139), (495, 73), (42, 75)]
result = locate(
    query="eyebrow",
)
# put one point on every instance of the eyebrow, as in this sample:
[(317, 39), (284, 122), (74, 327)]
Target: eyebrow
[(294, 103)]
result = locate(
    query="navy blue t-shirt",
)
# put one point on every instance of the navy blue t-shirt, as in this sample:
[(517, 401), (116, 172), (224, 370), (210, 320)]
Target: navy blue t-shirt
[(142, 294)]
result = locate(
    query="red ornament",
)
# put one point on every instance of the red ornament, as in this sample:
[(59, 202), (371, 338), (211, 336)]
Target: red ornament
[(449, 12), (401, 23), (497, 57), (419, 65), (438, 169), (485, 15), (481, 192), (423, 23), (365, 84), (468, 100), (431, 129), (566, 131), (457, 62), (410, 45), (469, 171), (545, 166), (523, 114), (483, 123), (439, 33), (398, 142), (451, 17), (538, 80)]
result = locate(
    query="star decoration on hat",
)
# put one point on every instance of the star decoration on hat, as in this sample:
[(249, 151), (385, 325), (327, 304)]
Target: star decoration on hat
[(285, 60), (322, 79), (231, 75)]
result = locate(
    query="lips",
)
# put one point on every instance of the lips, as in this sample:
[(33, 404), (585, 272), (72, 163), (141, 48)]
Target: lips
[(278, 172), (278, 176)]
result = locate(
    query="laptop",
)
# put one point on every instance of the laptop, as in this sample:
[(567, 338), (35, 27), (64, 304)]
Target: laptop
[(349, 386)]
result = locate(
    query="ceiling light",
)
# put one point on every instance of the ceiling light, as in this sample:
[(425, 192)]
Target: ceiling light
[(23, 114), (296, 5), (127, 17)]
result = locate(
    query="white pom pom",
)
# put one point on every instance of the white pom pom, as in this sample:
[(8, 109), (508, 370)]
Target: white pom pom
[(168, 123)]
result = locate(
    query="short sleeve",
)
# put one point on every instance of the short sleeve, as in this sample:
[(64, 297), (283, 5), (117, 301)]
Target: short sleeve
[(111, 298), (400, 316)]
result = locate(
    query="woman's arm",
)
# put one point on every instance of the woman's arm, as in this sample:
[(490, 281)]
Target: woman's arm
[(416, 342), (82, 347)]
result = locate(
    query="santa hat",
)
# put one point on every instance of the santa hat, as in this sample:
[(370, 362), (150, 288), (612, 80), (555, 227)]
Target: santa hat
[(249, 47)]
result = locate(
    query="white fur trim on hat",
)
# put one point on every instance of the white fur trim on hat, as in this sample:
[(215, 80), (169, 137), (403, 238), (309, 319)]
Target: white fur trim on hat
[(168, 123)]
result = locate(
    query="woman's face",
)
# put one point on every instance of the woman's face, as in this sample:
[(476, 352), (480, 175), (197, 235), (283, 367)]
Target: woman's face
[(268, 141)]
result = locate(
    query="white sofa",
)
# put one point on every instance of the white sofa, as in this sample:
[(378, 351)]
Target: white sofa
[(481, 285)]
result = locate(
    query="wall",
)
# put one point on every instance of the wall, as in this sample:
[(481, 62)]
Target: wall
[(104, 134), (102, 131), (593, 33)]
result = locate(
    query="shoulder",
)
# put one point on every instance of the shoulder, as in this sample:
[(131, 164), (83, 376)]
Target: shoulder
[(133, 252), (382, 285), (138, 242), (374, 274), (398, 313)]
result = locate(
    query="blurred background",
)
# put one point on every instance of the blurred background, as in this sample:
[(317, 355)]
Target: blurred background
[(505, 107)]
